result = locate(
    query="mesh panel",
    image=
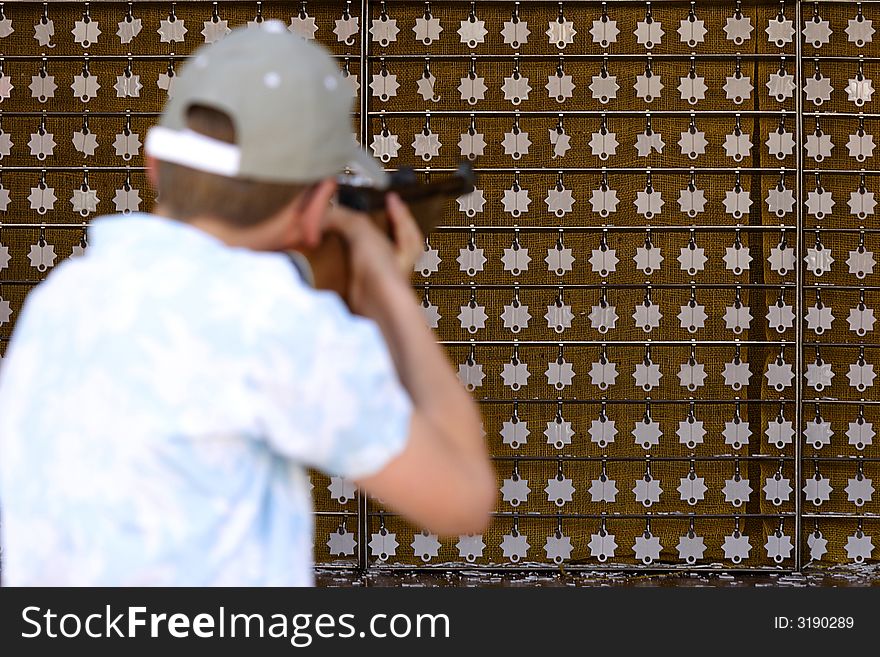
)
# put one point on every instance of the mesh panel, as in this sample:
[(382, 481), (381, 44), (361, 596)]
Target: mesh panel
[(491, 349)]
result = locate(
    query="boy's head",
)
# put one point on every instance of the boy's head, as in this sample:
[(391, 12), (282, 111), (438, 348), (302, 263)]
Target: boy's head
[(257, 123)]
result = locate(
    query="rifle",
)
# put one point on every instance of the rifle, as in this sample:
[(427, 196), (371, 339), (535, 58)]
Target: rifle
[(327, 268)]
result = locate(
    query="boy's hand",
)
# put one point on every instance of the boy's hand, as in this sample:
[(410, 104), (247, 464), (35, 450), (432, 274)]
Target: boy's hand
[(375, 260), (408, 236)]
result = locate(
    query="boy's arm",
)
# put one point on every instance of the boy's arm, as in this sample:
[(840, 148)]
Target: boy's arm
[(443, 479)]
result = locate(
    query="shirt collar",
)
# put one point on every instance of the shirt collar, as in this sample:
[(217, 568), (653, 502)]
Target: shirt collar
[(111, 231)]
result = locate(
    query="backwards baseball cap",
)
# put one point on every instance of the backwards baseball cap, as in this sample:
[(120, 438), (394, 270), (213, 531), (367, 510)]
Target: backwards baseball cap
[(289, 104)]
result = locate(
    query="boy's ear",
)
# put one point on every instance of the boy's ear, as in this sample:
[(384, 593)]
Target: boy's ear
[(152, 173), (311, 207)]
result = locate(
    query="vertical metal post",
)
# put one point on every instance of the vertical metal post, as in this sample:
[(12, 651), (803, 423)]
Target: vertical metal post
[(364, 130), (799, 287)]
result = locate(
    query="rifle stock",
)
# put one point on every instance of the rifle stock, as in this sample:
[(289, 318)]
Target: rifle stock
[(429, 202)]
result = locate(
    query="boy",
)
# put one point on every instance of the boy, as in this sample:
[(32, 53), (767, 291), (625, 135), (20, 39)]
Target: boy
[(163, 395)]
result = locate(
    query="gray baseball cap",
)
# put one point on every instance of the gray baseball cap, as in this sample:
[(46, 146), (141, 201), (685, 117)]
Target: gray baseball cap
[(289, 103)]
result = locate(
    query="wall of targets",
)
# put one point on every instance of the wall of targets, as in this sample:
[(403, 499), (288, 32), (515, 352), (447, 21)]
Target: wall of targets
[(662, 291)]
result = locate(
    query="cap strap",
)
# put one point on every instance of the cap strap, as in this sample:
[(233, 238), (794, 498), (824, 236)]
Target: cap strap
[(194, 150)]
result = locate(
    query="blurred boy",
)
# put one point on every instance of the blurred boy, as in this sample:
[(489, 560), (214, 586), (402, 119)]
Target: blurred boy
[(163, 395)]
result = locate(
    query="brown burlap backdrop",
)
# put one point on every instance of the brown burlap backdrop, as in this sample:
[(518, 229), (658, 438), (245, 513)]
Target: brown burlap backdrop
[(405, 114)]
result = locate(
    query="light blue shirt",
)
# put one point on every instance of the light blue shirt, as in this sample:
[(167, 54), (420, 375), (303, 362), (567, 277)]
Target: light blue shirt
[(160, 401)]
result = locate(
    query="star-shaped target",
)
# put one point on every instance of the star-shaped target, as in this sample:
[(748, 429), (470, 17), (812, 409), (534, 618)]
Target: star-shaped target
[(516, 88), (692, 489), (604, 31), (647, 491), (859, 547), (427, 146), (647, 548), (859, 489), (780, 432), (560, 87), (692, 375), (603, 375), (603, 489), (472, 31), (515, 490), (384, 30), (859, 90), (736, 433), (470, 547), (779, 375), (559, 260), (737, 490), (817, 489), (861, 320), (341, 543), (648, 259), (692, 31), (86, 32), (43, 87), (604, 87), (647, 317), (559, 434), (736, 547), (602, 546), (649, 33), (341, 489), (428, 262), (383, 544), (819, 146), (818, 89), (346, 29), (42, 256), (128, 86), (425, 546), (431, 314), (691, 548), (516, 260), (515, 375), (473, 89), (515, 546), (171, 30), (648, 87), (738, 28), (516, 32), (128, 28), (647, 434), (603, 432), (559, 490), (860, 30), (515, 434), (693, 143), (603, 318), (384, 85), (86, 142), (817, 32), (818, 545), (604, 261), (780, 30), (782, 259), (304, 26), (777, 489), (692, 88), (558, 548), (215, 29), (604, 144)]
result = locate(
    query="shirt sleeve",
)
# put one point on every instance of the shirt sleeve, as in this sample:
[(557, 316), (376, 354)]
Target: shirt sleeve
[(328, 391)]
